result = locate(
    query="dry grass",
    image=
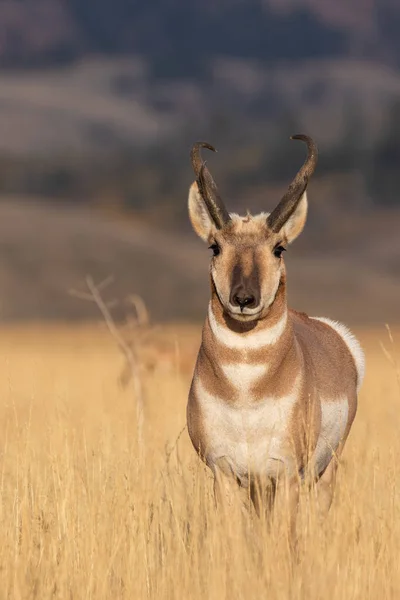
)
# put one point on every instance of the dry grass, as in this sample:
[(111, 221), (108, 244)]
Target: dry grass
[(80, 517)]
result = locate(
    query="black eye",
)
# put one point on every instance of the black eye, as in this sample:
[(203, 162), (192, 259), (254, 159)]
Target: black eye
[(278, 251), (215, 248)]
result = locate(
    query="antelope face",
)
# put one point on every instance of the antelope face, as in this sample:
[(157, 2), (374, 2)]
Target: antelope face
[(247, 264)]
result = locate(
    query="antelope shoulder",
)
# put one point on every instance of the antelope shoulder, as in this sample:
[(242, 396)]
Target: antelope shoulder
[(352, 344)]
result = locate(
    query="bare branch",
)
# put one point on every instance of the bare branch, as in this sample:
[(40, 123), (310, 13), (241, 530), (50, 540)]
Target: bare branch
[(125, 348), (142, 314), (105, 283), (81, 295)]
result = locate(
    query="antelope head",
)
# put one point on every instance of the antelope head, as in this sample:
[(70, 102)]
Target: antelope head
[(247, 263)]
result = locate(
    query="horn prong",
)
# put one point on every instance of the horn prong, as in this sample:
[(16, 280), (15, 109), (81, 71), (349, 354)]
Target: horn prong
[(207, 187), (290, 200)]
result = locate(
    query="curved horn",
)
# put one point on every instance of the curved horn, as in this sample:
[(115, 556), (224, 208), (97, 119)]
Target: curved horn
[(291, 199), (207, 187)]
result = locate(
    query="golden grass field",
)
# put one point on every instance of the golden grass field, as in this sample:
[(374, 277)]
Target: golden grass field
[(86, 512)]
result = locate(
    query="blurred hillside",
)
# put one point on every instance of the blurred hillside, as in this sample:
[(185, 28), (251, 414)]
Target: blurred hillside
[(170, 33), (337, 269), (101, 101)]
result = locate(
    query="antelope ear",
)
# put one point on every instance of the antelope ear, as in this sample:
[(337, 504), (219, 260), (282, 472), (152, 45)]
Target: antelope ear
[(295, 224), (199, 215)]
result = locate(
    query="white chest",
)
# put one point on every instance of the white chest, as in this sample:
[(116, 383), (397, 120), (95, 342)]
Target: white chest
[(252, 436)]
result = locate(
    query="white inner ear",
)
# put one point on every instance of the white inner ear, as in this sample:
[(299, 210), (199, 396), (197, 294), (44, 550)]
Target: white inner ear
[(295, 224), (199, 215)]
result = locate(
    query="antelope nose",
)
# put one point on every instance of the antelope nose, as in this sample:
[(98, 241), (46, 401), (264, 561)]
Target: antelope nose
[(244, 300)]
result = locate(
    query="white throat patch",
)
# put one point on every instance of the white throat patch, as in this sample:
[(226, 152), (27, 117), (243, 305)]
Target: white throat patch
[(244, 375), (250, 341)]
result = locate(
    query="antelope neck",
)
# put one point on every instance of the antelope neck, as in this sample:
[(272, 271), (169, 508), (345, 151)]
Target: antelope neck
[(273, 330)]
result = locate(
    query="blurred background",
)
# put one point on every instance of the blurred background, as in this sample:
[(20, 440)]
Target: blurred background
[(100, 101)]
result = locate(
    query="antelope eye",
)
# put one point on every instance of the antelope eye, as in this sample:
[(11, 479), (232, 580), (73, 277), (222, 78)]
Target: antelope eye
[(215, 248), (278, 251)]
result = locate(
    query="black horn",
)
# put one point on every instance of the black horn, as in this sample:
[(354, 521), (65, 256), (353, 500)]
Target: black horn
[(291, 199), (207, 186)]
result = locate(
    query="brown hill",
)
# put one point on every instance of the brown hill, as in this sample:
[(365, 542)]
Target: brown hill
[(45, 253), (37, 32)]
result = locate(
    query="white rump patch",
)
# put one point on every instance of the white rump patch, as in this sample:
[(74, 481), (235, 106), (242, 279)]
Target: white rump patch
[(249, 341), (244, 375), (252, 437), (334, 418), (353, 345)]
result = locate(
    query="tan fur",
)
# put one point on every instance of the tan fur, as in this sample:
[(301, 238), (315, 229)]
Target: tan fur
[(198, 214), (274, 392)]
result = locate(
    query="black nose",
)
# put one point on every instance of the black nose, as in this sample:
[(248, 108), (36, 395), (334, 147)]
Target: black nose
[(245, 290), (244, 300)]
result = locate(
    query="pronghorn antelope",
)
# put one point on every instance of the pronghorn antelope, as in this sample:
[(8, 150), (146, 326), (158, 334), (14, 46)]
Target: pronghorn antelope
[(274, 392)]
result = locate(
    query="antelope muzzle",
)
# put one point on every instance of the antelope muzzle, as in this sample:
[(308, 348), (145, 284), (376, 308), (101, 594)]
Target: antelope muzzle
[(245, 293)]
